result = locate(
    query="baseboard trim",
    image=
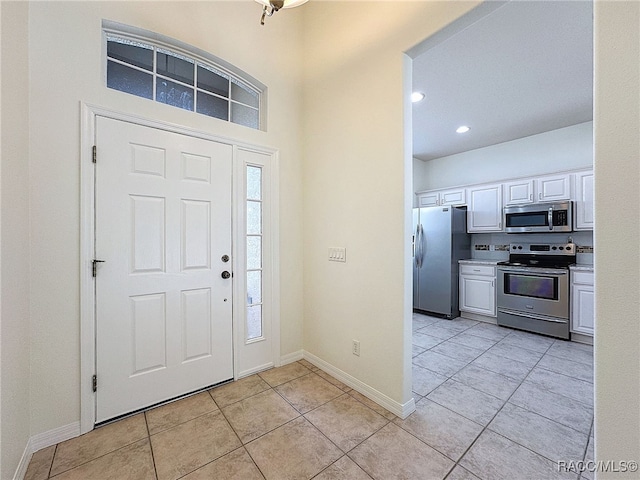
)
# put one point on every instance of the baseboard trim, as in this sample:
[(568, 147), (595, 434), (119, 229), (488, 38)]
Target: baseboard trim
[(57, 435), (581, 338), (21, 471), (251, 371), (478, 317), (44, 440), (402, 410), (292, 357)]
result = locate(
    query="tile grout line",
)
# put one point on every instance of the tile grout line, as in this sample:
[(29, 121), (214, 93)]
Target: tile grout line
[(485, 427), (55, 450), (242, 444), (505, 402), (153, 458)]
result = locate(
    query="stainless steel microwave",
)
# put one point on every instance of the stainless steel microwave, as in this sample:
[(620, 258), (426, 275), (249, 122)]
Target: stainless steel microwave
[(539, 217)]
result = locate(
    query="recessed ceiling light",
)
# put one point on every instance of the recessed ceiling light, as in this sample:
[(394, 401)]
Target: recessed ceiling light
[(417, 96), (462, 129)]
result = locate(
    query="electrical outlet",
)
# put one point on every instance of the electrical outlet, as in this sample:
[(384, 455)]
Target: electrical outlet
[(355, 347)]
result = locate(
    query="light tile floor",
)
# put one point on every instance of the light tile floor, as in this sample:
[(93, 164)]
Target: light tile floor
[(491, 403)]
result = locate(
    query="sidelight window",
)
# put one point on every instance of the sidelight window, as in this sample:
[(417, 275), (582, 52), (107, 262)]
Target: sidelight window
[(254, 252)]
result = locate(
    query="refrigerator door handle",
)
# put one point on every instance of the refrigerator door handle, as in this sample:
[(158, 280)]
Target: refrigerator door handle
[(420, 255), (416, 246)]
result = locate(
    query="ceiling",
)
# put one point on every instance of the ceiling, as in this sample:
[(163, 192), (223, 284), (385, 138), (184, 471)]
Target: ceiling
[(523, 68)]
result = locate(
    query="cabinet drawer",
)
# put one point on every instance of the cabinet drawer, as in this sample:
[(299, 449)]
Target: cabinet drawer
[(583, 278), (483, 270)]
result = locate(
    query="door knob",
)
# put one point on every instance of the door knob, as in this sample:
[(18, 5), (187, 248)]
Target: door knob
[(225, 274)]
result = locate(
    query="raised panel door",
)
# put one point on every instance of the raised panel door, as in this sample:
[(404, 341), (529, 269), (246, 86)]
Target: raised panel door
[(485, 209), (584, 219), (552, 188), (163, 222)]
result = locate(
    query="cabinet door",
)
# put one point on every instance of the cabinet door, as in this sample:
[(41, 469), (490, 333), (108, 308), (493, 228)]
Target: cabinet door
[(485, 209), (428, 199), (478, 295), (453, 197), (582, 309), (518, 192), (584, 201), (556, 187)]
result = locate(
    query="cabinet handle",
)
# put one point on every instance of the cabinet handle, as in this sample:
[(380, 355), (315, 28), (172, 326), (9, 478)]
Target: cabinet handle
[(540, 196), (531, 197)]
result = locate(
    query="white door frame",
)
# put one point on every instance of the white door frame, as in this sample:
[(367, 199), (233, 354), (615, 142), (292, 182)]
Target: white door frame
[(87, 246)]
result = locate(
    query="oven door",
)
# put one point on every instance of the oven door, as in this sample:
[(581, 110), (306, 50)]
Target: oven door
[(535, 291)]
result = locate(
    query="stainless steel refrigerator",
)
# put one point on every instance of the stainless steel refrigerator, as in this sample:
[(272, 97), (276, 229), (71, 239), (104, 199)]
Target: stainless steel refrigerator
[(440, 239)]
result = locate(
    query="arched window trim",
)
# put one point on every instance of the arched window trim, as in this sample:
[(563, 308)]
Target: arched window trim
[(191, 53)]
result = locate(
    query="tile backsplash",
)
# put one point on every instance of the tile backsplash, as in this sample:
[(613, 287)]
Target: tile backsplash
[(495, 246)]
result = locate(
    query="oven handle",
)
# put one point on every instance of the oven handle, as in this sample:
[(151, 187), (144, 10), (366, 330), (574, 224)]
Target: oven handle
[(532, 315), (533, 270)]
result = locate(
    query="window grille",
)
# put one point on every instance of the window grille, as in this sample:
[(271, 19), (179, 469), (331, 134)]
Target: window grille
[(181, 79)]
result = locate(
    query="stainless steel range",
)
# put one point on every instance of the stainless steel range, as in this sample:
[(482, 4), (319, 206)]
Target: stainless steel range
[(533, 288)]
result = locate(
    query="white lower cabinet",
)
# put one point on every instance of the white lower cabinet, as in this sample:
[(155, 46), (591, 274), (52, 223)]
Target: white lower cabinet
[(478, 289), (582, 314)]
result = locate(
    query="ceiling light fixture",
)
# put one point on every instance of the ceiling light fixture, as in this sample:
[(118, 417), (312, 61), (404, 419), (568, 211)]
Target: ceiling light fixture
[(272, 6), (417, 97), (462, 129)]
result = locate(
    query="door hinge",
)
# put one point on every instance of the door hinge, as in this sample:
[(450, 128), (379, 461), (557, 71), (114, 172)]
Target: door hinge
[(94, 267), (94, 383), (94, 154)]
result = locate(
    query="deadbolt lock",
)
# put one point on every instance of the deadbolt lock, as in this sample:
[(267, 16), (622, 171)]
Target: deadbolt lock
[(225, 258)]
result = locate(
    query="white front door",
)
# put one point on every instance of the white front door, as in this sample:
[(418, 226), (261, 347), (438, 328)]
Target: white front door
[(163, 230)]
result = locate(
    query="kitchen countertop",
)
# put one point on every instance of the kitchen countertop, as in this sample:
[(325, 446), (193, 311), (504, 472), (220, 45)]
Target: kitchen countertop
[(472, 261)]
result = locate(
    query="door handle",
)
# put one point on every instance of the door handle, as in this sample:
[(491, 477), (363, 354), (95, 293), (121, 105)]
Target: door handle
[(225, 275)]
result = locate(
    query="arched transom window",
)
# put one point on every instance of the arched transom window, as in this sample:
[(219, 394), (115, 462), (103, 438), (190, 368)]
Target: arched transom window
[(151, 66)]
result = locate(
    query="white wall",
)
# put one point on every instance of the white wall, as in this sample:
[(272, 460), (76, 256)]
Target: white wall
[(65, 67), (353, 188), (14, 240), (354, 183), (420, 181), (567, 148), (617, 279)]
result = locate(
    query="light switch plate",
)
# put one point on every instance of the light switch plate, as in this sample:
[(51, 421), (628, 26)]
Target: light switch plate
[(337, 254)]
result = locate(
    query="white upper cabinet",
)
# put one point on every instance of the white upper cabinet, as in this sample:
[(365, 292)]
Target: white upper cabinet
[(584, 201), (519, 192), (553, 187), (442, 197), (485, 202), (485, 208), (430, 199)]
